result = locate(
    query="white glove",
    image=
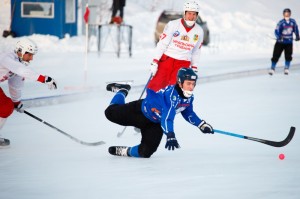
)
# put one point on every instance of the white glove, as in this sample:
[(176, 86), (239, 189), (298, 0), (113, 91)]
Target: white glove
[(51, 83), (206, 128), (195, 69), (153, 68)]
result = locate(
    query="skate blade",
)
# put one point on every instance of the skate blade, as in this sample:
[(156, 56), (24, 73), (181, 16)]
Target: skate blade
[(5, 147), (130, 82)]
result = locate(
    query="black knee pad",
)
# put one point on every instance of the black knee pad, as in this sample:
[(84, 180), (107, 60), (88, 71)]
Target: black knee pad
[(146, 151), (108, 112)]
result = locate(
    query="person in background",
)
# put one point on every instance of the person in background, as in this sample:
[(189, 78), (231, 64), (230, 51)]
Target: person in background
[(155, 114), (118, 5), (284, 41), (13, 69), (179, 46)]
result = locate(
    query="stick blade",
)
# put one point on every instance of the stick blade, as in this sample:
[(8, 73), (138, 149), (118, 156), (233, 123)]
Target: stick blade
[(285, 141), (92, 143), (119, 134), (130, 82)]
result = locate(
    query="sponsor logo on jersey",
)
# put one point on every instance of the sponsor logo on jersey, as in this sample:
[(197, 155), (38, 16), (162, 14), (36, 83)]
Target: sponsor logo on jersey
[(162, 36), (8, 76), (155, 110), (185, 38), (288, 30), (176, 34), (174, 98), (183, 45), (196, 37)]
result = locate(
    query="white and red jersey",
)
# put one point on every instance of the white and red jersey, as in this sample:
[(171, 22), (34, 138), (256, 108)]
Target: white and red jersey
[(180, 43), (15, 72)]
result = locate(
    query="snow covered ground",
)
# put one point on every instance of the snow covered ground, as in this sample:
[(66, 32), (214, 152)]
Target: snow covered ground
[(43, 163)]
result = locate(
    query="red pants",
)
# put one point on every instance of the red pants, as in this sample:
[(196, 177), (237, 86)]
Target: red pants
[(167, 72), (6, 105)]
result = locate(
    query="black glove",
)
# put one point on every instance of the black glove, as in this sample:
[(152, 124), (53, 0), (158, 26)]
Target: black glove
[(206, 128), (171, 141), (19, 106), (297, 39), (51, 83)]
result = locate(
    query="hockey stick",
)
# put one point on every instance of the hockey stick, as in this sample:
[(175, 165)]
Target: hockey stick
[(121, 133), (267, 142), (73, 138), (271, 37)]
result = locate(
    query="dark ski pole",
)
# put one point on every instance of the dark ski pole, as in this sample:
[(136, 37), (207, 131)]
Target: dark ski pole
[(121, 133), (267, 142), (64, 133)]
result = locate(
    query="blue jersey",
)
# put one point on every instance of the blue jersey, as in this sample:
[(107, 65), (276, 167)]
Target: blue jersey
[(285, 29), (162, 106)]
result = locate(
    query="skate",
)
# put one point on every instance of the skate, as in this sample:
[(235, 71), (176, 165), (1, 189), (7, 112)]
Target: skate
[(119, 150), (115, 87), (4, 142), (286, 71), (271, 71)]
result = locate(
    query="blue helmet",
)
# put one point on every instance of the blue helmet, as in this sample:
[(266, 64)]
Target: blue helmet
[(287, 10), (186, 74)]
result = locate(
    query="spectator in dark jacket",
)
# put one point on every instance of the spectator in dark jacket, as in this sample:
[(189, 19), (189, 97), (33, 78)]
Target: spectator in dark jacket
[(118, 5)]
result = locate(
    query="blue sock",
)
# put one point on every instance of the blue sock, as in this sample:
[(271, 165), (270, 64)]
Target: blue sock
[(119, 98), (287, 64), (134, 151), (273, 65)]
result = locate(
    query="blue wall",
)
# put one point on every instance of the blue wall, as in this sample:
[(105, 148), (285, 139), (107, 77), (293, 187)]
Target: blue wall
[(57, 26)]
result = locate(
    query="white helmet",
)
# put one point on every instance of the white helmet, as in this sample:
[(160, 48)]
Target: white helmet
[(26, 45), (191, 6)]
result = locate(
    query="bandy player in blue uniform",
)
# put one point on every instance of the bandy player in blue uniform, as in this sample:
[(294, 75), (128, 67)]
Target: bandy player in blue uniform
[(284, 41), (155, 114)]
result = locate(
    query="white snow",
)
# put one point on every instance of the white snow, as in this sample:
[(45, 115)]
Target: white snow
[(43, 163)]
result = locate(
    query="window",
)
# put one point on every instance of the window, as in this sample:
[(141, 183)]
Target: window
[(37, 10), (70, 11)]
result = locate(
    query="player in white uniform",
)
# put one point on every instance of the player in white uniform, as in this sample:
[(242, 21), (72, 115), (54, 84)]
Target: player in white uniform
[(179, 46), (13, 69)]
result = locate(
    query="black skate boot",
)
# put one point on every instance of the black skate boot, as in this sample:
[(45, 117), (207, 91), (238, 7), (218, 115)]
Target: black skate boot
[(4, 142), (115, 87), (119, 150)]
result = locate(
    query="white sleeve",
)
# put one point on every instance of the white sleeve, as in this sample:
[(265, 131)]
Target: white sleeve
[(197, 51), (15, 85), (164, 40), (19, 69)]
